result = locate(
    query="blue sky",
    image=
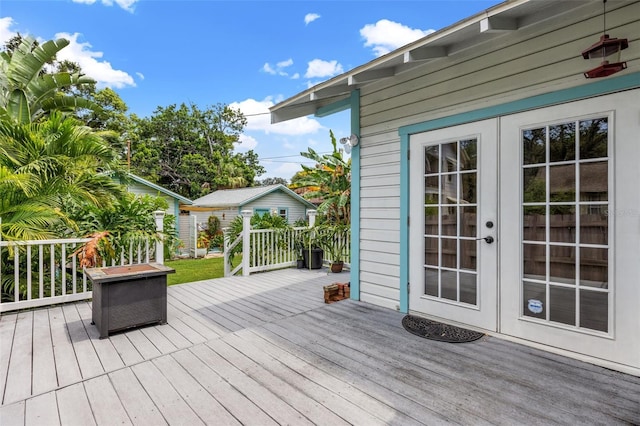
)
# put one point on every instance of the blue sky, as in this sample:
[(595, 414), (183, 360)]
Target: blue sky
[(247, 54)]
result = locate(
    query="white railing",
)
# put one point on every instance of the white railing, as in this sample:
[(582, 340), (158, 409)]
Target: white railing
[(46, 272), (38, 273), (269, 249)]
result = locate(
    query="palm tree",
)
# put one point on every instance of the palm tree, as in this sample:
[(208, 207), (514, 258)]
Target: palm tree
[(47, 166), (26, 93)]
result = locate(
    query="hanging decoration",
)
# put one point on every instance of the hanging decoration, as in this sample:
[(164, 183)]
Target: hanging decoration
[(603, 49)]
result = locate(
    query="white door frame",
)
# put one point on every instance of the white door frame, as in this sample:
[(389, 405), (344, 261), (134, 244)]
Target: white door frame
[(620, 346), (483, 315)]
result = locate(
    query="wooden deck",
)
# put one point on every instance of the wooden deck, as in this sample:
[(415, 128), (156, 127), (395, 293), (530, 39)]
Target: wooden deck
[(266, 350)]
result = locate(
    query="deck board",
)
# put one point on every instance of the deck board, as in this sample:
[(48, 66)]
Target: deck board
[(265, 350)]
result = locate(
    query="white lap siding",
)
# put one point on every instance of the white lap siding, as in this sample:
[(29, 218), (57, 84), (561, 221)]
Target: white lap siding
[(520, 64)]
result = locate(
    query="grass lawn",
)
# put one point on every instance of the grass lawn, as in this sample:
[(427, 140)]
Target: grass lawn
[(188, 270)]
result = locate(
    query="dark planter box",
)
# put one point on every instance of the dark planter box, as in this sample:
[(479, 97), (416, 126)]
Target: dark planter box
[(128, 296), (315, 261)]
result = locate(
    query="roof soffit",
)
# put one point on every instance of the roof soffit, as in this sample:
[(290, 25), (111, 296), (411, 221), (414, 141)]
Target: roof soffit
[(467, 34)]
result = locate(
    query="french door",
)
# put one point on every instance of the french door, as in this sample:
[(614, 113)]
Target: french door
[(453, 224)]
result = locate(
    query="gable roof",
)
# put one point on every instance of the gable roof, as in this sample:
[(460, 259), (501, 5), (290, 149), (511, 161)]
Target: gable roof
[(512, 15), (241, 196), (158, 188)]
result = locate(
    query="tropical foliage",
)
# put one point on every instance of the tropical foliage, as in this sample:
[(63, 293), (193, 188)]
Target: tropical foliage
[(26, 92), (329, 181)]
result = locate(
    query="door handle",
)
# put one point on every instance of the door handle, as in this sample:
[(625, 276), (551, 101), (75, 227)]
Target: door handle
[(488, 239)]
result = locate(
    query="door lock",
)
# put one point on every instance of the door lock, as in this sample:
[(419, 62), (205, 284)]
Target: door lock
[(488, 239)]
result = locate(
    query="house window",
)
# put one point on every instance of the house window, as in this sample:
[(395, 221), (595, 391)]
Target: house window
[(262, 212), (565, 226), (282, 212)]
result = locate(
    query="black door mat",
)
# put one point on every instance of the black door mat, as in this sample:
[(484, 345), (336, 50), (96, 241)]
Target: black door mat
[(438, 331)]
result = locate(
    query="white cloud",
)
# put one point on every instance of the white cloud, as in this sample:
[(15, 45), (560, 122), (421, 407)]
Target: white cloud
[(100, 70), (385, 36), (246, 143), (287, 169), (140, 75), (258, 119), (318, 68), (310, 17), (5, 31), (125, 4), (279, 68), (295, 76)]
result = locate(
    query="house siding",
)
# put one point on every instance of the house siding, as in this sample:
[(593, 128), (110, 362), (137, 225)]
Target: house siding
[(295, 210), (139, 189), (520, 64)]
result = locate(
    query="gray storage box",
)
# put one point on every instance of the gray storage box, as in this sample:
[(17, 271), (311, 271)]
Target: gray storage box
[(128, 296)]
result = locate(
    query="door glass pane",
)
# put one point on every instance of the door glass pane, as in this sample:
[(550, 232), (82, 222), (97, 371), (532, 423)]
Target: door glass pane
[(593, 138), (534, 146), (534, 300), (562, 305), (449, 285), (594, 181), (431, 251), (431, 282), (594, 224), (468, 154), (562, 224), (565, 225), (468, 253), (468, 288), (594, 310), (594, 267), (534, 223), (431, 159), (450, 210), (468, 222), (562, 142), (562, 183), (535, 185), (562, 264), (449, 220), (431, 220), (534, 262)]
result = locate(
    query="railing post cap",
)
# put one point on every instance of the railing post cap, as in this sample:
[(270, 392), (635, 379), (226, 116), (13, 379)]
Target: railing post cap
[(246, 213), (158, 214), (312, 212)]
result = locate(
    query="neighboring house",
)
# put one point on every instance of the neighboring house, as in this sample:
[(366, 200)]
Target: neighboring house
[(175, 201), (226, 204), (496, 218)]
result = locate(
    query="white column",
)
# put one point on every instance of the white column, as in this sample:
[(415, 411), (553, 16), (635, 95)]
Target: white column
[(312, 217), (225, 251), (246, 243), (159, 217)]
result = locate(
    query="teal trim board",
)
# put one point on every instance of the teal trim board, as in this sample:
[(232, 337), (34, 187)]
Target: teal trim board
[(404, 223), (338, 106), (355, 198), (611, 85)]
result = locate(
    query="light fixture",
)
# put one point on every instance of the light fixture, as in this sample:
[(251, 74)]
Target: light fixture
[(349, 142), (605, 47)]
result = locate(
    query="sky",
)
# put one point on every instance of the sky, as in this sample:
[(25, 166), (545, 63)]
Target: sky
[(249, 55)]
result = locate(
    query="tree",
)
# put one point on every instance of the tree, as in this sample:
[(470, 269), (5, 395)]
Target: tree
[(27, 93), (330, 181), (47, 166), (274, 181), (190, 151)]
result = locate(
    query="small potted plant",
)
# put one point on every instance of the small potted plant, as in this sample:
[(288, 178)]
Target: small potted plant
[(333, 240), (309, 248)]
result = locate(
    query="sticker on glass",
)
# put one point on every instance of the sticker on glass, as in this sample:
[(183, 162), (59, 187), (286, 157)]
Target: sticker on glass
[(535, 306)]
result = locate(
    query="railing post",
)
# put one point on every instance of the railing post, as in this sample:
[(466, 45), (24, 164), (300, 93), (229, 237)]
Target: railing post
[(159, 217), (246, 242), (225, 251), (312, 217)]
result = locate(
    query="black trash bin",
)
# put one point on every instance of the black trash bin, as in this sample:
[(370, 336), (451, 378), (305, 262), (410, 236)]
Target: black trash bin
[(316, 258)]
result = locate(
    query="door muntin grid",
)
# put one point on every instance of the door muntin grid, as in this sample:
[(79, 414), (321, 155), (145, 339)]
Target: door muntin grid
[(450, 217), (565, 226)]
